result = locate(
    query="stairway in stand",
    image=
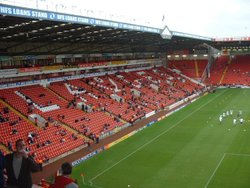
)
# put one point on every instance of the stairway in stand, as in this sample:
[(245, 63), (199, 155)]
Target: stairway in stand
[(225, 72)]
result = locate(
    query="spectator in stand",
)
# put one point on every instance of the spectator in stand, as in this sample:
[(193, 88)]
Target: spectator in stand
[(97, 139), (1, 170), (10, 146), (45, 159), (64, 180), (13, 131), (89, 146), (19, 167)]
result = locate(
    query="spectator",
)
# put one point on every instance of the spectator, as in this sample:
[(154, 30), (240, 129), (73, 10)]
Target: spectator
[(36, 120), (5, 110), (74, 137), (13, 131), (45, 159), (19, 167), (89, 146), (97, 139), (10, 146), (64, 180)]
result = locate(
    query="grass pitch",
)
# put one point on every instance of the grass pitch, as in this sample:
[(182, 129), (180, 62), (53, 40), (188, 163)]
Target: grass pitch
[(189, 148)]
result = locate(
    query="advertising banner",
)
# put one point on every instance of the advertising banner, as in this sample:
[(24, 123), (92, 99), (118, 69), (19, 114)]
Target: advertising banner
[(31, 69)]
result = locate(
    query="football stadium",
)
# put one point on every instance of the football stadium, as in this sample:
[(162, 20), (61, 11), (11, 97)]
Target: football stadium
[(92, 98)]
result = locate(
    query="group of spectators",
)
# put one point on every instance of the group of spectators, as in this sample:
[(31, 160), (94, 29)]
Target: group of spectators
[(16, 169)]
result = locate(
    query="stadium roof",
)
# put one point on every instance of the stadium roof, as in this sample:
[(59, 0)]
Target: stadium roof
[(217, 19), (20, 36), (25, 35)]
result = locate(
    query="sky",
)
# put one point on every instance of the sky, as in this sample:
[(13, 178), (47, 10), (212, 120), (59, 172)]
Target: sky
[(210, 18), (213, 18)]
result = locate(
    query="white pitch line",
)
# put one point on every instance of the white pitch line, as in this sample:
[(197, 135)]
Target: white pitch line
[(215, 170), (236, 154), (150, 141), (239, 154), (92, 185)]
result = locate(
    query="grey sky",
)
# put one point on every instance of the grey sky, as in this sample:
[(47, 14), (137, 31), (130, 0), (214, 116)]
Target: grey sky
[(213, 18)]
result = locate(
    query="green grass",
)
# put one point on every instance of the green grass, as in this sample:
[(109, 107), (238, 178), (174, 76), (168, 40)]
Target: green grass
[(187, 149)]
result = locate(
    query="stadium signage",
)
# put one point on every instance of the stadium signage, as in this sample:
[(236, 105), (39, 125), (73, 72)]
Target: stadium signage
[(77, 162), (8, 71), (32, 69), (39, 14), (150, 114), (151, 123), (23, 12)]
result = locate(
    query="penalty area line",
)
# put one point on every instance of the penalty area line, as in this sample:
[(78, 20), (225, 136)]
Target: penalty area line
[(218, 165)]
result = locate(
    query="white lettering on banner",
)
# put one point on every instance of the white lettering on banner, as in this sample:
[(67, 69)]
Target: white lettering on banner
[(90, 155), (24, 12), (70, 18), (39, 14), (21, 12), (98, 22), (137, 27), (105, 23), (5, 10), (60, 17), (82, 20)]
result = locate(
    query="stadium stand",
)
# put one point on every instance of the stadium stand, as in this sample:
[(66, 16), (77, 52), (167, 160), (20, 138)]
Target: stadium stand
[(217, 70), (69, 99), (191, 68), (238, 72), (71, 107)]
